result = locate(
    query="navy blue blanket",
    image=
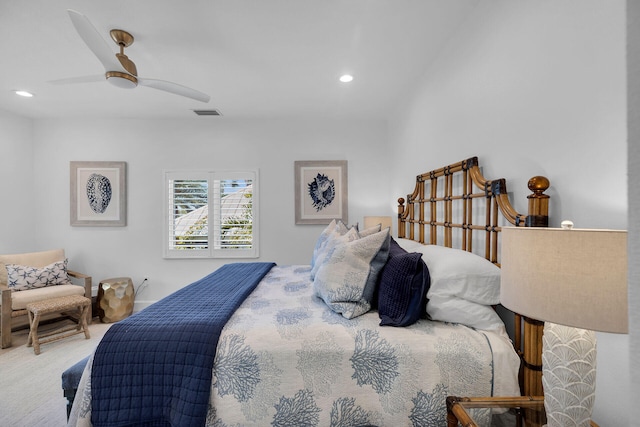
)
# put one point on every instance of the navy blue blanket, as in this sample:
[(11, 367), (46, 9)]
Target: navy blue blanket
[(155, 367)]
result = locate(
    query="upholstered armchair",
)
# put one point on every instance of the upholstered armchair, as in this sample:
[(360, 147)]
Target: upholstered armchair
[(31, 277)]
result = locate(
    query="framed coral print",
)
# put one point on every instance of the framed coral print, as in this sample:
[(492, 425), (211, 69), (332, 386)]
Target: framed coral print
[(98, 194), (320, 191)]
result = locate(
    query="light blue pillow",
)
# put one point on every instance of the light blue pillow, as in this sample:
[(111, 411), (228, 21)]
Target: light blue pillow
[(346, 280), (339, 233), (322, 241), (334, 233)]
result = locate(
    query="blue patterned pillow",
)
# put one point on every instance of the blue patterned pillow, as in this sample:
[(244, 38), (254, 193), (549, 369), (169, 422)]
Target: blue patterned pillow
[(322, 241), (22, 278), (402, 292), (347, 278), (337, 236), (334, 233)]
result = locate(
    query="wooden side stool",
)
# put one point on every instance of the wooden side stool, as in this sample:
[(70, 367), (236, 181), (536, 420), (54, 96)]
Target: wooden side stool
[(69, 303)]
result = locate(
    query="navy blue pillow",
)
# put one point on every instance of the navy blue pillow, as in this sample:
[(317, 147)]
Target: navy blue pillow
[(402, 293), (394, 250)]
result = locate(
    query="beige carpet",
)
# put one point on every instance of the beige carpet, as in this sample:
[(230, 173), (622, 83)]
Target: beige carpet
[(31, 386)]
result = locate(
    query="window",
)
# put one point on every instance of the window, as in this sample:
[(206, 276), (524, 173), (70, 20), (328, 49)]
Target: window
[(211, 214)]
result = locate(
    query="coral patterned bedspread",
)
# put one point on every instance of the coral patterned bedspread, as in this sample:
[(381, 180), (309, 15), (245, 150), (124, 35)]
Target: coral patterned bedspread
[(285, 359)]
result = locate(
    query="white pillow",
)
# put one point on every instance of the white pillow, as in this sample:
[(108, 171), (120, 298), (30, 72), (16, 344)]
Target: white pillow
[(409, 245), (457, 310), (371, 230), (461, 274), (346, 279)]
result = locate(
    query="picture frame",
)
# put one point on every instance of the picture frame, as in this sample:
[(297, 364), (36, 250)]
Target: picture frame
[(321, 191), (98, 194)]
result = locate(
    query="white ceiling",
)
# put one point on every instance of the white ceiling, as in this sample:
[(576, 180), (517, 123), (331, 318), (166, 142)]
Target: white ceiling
[(255, 58)]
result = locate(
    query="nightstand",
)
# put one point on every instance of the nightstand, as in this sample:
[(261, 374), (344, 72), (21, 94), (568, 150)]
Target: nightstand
[(468, 411)]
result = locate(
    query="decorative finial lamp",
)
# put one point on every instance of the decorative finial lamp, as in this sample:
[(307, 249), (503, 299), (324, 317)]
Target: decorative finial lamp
[(575, 280)]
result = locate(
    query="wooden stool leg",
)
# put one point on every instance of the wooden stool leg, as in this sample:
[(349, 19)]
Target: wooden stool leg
[(79, 311), (30, 338), (33, 334), (83, 321)]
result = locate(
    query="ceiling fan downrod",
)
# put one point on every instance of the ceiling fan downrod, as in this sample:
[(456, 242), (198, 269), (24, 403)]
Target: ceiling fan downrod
[(123, 80)]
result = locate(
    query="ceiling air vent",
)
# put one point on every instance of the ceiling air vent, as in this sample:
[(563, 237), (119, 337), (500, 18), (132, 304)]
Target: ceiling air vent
[(207, 112)]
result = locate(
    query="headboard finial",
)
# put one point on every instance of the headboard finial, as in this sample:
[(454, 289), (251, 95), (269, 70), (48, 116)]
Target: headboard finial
[(538, 184), (538, 215)]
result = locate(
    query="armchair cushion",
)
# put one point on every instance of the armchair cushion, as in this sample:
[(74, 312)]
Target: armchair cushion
[(32, 259), (19, 300), (22, 277)]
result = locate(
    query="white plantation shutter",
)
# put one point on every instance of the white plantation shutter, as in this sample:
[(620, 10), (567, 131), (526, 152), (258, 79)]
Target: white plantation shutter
[(211, 214)]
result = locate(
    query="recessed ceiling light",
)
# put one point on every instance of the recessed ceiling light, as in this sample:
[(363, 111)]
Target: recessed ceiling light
[(346, 78), (24, 93)]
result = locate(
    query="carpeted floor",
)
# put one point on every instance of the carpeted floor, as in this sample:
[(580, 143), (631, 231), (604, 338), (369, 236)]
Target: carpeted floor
[(30, 385)]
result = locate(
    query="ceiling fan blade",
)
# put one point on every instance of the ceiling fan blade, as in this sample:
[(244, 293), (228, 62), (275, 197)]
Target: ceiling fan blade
[(82, 79), (174, 88), (94, 40)]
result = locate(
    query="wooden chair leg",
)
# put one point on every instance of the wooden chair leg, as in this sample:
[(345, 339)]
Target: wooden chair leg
[(5, 318), (6, 334)]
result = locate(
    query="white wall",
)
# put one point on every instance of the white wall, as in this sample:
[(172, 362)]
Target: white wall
[(17, 204), (530, 87), (534, 88), (151, 146), (633, 73)]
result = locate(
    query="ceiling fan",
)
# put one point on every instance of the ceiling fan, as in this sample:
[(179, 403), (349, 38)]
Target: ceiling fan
[(119, 69)]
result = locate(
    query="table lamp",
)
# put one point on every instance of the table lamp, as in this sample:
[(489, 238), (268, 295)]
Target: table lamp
[(575, 280), (370, 221)]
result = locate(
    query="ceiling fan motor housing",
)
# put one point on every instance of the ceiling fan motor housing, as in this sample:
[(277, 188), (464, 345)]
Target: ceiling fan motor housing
[(121, 80)]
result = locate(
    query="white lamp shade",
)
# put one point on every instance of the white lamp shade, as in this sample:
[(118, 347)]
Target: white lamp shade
[(371, 221), (572, 277)]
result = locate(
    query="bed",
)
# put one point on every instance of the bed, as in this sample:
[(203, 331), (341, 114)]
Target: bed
[(344, 341)]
